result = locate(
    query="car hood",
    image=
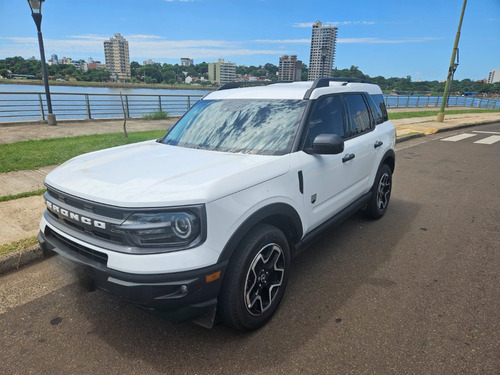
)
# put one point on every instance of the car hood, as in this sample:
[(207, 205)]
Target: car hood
[(151, 174)]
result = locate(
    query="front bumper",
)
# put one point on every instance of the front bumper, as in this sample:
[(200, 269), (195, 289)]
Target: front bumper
[(178, 296)]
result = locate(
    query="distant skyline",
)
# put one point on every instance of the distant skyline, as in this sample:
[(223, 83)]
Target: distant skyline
[(391, 39)]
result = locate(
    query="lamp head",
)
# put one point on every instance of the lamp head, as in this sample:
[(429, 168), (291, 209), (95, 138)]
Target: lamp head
[(36, 6)]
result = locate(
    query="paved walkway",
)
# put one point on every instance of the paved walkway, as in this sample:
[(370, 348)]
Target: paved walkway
[(30, 131), (20, 217)]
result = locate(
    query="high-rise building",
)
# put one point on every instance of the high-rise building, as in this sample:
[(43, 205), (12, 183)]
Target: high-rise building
[(494, 76), (186, 61), (65, 60), (290, 69), (54, 60), (117, 58), (222, 72), (323, 42)]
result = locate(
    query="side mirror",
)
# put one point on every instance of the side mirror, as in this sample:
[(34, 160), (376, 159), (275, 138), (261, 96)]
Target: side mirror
[(328, 144)]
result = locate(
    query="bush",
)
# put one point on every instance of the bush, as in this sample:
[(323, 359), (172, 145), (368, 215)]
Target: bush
[(159, 115)]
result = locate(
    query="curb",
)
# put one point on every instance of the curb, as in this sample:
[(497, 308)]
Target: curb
[(405, 138), (442, 130), (463, 126), (15, 260)]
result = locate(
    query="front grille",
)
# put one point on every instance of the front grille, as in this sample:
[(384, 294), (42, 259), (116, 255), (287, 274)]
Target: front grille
[(103, 235), (73, 247), (88, 206), (84, 208)]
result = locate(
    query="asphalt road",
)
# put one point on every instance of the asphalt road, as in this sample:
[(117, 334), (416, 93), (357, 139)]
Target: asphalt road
[(416, 292)]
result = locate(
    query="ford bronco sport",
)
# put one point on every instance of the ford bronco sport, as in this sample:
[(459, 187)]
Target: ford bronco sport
[(205, 221)]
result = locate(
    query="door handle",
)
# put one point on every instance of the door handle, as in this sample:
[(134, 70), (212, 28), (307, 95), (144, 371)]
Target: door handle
[(348, 157), (378, 144)]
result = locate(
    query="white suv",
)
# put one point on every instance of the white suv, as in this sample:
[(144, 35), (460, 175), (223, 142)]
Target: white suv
[(204, 222)]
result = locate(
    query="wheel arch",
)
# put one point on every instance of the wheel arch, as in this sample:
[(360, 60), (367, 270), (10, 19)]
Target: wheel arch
[(280, 215), (389, 159)]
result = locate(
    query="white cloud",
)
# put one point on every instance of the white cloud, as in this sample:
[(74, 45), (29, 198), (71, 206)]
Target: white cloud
[(335, 23), (284, 41), (347, 41), (382, 41), (141, 46)]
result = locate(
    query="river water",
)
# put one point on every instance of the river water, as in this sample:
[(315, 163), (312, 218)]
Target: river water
[(21, 102)]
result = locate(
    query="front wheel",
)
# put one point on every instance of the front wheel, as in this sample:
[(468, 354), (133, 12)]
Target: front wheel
[(381, 193), (256, 279)]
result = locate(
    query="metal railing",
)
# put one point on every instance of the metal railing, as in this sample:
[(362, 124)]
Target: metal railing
[(413, 101), (29, 106)]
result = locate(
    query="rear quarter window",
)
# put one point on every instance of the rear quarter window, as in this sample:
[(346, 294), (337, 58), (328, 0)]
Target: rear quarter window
[(379, 101), (358, 114)]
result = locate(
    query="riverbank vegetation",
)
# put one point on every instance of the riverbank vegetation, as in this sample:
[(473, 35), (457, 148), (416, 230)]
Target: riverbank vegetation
[(169, 76), (159, 115)]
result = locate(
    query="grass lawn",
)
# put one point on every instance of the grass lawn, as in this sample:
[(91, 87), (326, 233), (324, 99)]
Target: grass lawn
[(28, 155), (5, 198), (18, 245)]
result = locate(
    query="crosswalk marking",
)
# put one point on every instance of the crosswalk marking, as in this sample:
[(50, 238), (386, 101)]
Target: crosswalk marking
[(493, 138), (489, 140), (458, 137), (482, 132)]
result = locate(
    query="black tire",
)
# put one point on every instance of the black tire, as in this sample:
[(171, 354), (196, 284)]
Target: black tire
[(256, 279), (382, 187)]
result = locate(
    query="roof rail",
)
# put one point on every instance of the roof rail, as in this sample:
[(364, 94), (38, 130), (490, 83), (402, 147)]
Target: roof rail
[(235, 85), (325, 82)]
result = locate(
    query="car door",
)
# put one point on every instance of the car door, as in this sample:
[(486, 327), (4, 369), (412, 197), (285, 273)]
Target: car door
[(362, 143), (332, 182), (325, 188)]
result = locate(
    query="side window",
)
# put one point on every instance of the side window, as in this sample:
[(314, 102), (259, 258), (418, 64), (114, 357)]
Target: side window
[(379, 101), (358, 115), (375, 110), (326, 118)]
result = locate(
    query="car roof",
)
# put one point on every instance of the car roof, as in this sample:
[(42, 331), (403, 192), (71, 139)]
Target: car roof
[(294, 90)]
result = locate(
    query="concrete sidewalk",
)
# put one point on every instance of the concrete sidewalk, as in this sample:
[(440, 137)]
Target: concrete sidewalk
[(20, 217)]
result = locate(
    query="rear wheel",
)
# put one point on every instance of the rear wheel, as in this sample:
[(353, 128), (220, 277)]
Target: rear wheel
[(381, 193), (256, 279)]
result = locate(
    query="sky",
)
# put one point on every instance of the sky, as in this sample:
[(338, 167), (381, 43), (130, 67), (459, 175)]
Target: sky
[(391, 38)]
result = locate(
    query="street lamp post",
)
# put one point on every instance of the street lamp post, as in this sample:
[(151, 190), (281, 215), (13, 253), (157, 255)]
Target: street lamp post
[(36, 13), (452, 68), (324, 50)]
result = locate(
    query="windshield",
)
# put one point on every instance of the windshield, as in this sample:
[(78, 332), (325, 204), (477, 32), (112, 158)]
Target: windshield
[(245, 126)]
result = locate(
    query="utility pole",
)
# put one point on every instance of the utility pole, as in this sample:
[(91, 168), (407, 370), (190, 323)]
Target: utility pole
[(451, 70)]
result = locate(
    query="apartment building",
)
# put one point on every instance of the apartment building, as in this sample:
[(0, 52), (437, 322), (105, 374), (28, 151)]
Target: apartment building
[(117, 57), (323, 41), (186, 61), (222, 72), (494, 76), (290, 69)]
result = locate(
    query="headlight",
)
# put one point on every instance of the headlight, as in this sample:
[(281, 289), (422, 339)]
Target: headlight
[(172, 229)]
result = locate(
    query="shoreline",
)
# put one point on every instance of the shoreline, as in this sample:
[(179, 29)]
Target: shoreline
[(158, 86)]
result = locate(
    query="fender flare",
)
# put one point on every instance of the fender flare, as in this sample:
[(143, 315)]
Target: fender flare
[(281, 215), (389, 159)]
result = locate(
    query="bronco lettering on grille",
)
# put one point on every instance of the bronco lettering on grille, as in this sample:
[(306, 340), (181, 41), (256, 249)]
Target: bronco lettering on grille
[(74, 216)]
